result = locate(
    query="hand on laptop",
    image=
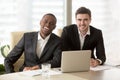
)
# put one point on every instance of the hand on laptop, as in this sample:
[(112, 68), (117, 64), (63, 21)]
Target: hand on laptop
[(94, 62)]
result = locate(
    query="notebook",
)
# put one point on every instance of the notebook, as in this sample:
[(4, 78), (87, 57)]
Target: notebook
[(73, 61)]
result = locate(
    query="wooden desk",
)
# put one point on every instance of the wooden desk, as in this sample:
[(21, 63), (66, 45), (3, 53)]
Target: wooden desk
[(111, 74)]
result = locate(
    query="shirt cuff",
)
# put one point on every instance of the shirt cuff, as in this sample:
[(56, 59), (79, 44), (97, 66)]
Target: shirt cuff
[(99, 61)]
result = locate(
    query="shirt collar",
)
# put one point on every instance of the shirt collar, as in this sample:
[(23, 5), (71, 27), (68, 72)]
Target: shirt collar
[(40, 38), (88, 32)]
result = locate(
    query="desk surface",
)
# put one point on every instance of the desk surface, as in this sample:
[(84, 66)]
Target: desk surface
[(111, 74)]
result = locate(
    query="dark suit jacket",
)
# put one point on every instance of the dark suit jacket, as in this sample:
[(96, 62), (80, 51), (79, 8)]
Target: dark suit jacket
[(28, 44), (71, 41)]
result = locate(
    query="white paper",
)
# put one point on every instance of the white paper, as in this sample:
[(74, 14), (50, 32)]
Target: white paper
[(102, 67), (113, 63), (32, 72), (39, 72), (52, 72)]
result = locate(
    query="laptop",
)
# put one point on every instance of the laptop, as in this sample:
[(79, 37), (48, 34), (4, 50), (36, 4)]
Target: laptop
[(73, 61)]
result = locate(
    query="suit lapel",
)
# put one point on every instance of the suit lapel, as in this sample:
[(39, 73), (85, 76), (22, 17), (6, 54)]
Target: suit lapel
[(76, 38), (34, 39)]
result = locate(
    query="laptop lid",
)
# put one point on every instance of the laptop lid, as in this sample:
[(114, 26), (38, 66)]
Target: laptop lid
[(73, 61)]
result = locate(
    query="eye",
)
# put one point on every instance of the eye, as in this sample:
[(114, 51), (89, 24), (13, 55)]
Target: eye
[(86, 19), (79, 19), (44, 21), (51, 23)]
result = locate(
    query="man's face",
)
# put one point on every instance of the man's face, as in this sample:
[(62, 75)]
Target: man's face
[(83, 21), (48, 23)]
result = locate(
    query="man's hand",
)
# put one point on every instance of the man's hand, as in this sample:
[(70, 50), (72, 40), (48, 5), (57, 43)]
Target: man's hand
[(94, 62), (35, 67), (31, 68)]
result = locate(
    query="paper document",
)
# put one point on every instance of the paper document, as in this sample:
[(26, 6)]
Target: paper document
[(32, 72), (113, 63), (39, 72), (102, 67)]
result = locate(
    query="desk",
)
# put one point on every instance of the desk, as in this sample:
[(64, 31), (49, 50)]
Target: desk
[(111, 74)]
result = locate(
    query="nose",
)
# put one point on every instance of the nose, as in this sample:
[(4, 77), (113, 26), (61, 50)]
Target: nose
[(82, 22), (47, 24)]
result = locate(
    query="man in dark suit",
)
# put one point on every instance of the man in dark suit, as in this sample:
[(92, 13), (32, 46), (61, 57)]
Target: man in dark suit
[(38, 47), (83, 36)]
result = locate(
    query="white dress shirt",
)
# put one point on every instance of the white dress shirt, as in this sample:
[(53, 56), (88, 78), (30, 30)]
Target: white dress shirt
[(41, 44), (82, 37)]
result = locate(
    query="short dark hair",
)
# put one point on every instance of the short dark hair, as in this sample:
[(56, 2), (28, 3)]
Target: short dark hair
[(51, 15), (83, 10)]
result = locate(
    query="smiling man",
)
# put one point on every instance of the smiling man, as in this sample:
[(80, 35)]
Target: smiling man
[(38, 47), (83, 36)]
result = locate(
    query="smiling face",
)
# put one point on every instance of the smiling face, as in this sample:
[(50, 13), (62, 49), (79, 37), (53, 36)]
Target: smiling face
[(48, 24), (83, 21)]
